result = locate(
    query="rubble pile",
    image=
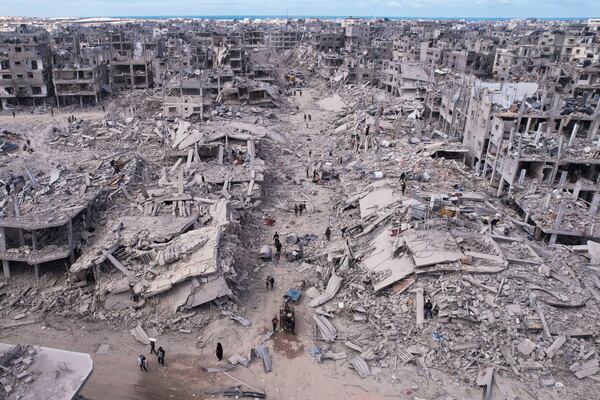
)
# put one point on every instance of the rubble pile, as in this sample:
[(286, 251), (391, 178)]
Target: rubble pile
[(14, 374), (492, 289)]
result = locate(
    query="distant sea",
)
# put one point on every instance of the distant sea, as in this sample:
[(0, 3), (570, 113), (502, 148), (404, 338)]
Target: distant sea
[(331, 17)]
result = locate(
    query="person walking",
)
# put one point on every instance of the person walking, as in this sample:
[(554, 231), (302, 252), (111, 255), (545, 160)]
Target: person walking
[(428, 308), (277, 250), (268, 281), (403, 187), (295, 210), (161, 356), (328, 234), (14, 116), (142, 363), (152, 346), (275, 321), (271, 281), (309, 117), (52, 112), (219, 351)]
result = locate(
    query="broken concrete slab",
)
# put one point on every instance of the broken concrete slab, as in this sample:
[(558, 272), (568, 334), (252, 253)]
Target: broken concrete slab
[(558, 343), (526, 347), (333, 285)]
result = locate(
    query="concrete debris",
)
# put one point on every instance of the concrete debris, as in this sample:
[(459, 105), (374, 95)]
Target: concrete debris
[(140, 335), (333, 285), (526, 347), (360, 366), (242, 320), (452, 167), (262, 352), (30, 372), (327, 331)]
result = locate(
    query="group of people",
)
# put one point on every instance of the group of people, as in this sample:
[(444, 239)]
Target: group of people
[(160, 354), (309, 119), (270, 282), (299, 209)]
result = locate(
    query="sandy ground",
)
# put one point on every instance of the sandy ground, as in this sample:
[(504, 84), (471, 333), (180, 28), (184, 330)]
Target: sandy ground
[(35, 127), (295, 374)]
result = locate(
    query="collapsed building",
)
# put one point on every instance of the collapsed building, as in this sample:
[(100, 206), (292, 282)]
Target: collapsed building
[(461, 162)]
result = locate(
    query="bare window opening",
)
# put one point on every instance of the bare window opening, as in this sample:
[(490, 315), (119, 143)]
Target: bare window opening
[(19, 76), (34, 64), (18, 49), (36, 90), (17, 62)]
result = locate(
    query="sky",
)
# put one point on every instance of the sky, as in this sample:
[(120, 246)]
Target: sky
[(367, 8)]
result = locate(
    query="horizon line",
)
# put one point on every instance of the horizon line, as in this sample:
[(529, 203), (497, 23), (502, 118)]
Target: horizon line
[(279, 16)]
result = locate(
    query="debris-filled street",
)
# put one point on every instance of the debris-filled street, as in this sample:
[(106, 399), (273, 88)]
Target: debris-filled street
[(299, 236)]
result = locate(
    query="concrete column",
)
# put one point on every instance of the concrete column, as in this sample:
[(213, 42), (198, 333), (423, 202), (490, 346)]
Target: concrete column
[(547, 202), (70, 240), (17, 211), (5, 263), (577, 190), (146, 76), (594, 205), (573, 135), (420, 304), (500, 186), (522, 177), (538, 133), (559, 217), (34, 246), (563, 180), (528, 125), (496, 159), (558, 156)]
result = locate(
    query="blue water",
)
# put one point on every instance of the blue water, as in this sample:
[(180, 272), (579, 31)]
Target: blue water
[(330, 17)]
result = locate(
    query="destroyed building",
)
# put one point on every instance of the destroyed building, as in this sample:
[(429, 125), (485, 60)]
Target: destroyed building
[(450, 171), (25, 69)]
